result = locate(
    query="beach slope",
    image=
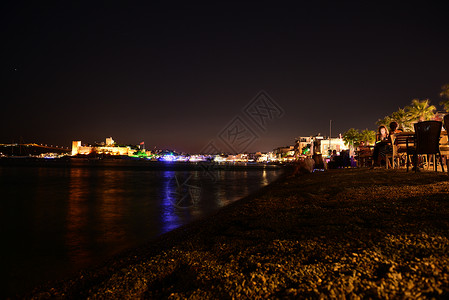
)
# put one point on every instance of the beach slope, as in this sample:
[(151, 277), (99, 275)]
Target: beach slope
[(342, 233)]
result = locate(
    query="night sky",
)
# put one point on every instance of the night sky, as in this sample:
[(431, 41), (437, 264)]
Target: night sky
[(176, 75)]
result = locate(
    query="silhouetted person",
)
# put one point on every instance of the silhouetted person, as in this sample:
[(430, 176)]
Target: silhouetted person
[(394, 128), (382, 140)]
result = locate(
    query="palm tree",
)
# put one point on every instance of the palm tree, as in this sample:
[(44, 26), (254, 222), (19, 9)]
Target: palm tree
[(420, 110), (445, 95), (352, 138), (401, 117), (445, 91), (368, 136), (385, 121)]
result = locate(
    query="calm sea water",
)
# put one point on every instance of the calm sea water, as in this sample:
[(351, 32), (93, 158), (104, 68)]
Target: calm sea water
[(56, 221)]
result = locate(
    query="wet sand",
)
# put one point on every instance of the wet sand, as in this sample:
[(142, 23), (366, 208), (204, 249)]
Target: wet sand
[(355, 233)]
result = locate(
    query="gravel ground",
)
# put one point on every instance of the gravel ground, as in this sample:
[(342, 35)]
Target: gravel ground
[(353, 233)]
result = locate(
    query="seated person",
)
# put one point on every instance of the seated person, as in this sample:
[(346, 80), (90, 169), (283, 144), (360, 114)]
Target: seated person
[(388, 149), (334, 154), (394, 128), (364, 153), (344, 159), (319, 163), (382, 140), (333, 163), (363, 150)]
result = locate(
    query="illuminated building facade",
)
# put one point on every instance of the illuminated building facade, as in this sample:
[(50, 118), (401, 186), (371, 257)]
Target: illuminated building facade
[(328, 145), (108, 149), (319, 144), (75, 147), (110, 141)]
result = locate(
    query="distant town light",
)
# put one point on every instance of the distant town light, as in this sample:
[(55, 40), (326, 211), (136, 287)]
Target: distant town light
[(169, 157)]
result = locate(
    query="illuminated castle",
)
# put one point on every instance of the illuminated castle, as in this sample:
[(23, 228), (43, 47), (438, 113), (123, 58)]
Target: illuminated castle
[(108, 148)]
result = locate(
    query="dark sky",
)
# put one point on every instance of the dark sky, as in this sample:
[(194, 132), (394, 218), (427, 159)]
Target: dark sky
[(176, 75)]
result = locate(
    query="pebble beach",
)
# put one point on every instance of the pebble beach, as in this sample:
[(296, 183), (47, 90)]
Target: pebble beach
[(346, 233)]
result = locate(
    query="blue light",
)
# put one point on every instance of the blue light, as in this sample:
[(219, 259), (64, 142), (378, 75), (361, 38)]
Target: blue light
[(169, 157)]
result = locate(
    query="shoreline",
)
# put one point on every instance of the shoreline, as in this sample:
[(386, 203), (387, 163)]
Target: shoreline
[(352, 232), (131, 164)]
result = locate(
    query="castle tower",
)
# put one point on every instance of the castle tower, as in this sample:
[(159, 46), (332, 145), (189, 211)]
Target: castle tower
[(109, 141), (75, 147)]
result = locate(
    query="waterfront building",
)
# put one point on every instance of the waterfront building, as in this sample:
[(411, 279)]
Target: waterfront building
[(262, 157), (303, 145), (319, 145), (328, 145), (109, 148), (284, 153)]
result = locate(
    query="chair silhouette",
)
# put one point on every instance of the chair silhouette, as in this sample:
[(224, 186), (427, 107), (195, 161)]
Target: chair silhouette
[(444, 143), (402, 145), (427, 140), (398, 148), (394, 153), (446, 122)]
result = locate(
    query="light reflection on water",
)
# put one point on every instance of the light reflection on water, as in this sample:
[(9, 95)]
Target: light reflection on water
[(56, 221), (168, 217)]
